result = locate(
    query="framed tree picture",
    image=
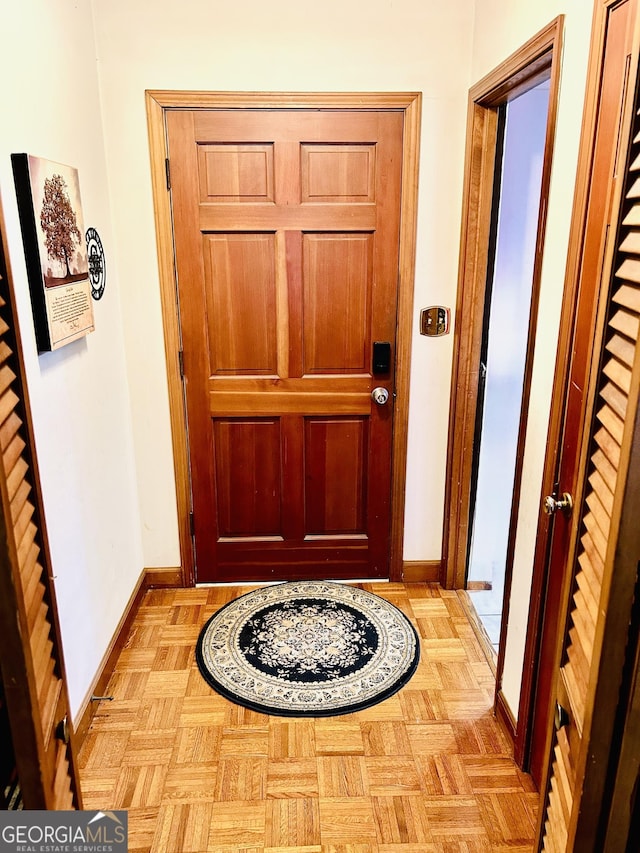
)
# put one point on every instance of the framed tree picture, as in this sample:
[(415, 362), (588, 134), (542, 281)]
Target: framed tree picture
[(52, 226)]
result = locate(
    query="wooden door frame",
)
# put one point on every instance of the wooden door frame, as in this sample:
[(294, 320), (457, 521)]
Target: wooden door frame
[(538, 59), (409, 103), (520, 72)]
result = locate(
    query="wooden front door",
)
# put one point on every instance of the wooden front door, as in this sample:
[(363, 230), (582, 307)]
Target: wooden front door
[(286, 228)]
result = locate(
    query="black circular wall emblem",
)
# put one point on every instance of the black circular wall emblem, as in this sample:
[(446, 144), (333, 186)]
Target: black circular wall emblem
[(97, 263)]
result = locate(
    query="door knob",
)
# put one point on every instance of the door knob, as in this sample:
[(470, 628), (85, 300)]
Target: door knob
[(62, 730), (550, 505), (561, 717), (380, 395)]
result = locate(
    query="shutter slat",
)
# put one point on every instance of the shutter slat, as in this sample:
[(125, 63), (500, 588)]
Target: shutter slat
[(598, 540), (584, 581), (626, 323), (583, 623), (45, 683), (626, 295), (30, 578), (15, 477), (11, 454), (18, 502), (622, 348), (604, 493), (564, 801), (563, 758), (7, 376), (561, 804), (619, 374), (616, 399), (629, 270), (62, 780), (30, 565), (49, 700), (633, 217), (605, 469), (576, 699), (5, 352), (32, 607), (578, 660), (24, 519), (24, 547), (8, 429), (612, 422), (592, 564), (631, 243), (609, 446), (602, 517), (8, 402)]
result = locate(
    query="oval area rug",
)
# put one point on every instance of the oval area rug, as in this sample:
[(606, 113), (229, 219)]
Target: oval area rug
[(308, 648)]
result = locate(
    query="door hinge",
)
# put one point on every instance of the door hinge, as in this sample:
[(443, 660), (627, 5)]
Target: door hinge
[(168, 173), (192, 525), (181, 362)]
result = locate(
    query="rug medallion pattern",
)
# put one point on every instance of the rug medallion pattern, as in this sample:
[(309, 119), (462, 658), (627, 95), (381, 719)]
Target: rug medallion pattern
[(308, 648)]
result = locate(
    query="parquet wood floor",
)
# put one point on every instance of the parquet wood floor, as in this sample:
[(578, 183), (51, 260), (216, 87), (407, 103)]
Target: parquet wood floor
[(428, 771)]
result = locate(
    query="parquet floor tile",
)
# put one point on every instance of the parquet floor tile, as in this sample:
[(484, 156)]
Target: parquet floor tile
[(385, 738), (183, 826), (392, 778), (241, 779), (292, 739), (292, 777), (142, 828), (140, 786), (345, 819), (292, 823), (430, 770), (342, 776)]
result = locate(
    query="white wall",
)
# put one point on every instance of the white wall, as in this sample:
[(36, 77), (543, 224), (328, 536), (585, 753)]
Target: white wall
[(339, 45), (87, 444), (500, 29), (79, 394)]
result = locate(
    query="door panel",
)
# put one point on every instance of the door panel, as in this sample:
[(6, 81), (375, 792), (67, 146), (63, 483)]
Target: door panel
[(240, 173), (248, 462), (337, 289), (335, 469), (286, 237), (240, 293), (587, 674)]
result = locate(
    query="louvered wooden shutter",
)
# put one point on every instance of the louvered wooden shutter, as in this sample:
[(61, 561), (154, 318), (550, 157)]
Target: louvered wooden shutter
[(30, 651), (571, 816)]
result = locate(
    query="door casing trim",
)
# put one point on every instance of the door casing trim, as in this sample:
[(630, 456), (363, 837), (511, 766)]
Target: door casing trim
[(519, 72), (410, 104), (538, 59)]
